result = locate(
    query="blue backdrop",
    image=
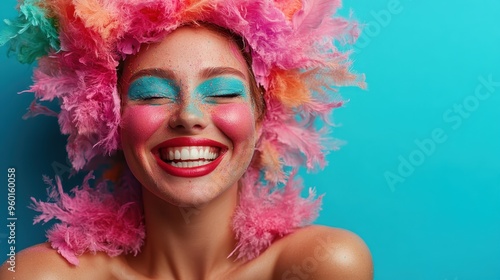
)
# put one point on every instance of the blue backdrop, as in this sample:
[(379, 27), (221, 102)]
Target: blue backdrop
[(419, 177)]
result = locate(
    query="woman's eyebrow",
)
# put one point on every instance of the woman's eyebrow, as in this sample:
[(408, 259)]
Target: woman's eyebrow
[(218, 71), (156, 72)]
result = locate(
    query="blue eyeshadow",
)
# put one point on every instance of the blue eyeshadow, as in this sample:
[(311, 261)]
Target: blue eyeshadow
[(148, 87), (221, 86)]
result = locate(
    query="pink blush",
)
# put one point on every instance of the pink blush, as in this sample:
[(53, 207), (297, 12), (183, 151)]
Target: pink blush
[(237, 120), (140, 122)]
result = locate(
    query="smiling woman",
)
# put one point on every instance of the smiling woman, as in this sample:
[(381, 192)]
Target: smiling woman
[(202, 109), (170, 117)]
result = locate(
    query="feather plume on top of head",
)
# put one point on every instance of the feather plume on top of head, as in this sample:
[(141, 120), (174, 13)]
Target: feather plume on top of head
[(79, 44)]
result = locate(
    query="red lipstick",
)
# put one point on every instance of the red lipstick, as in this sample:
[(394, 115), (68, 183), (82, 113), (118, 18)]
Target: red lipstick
[(187, 142)]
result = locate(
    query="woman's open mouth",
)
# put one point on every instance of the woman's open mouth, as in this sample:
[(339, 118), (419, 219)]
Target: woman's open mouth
[(189, 157)]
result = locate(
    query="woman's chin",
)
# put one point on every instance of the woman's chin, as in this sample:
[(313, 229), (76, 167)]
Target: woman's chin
[(190, 196)]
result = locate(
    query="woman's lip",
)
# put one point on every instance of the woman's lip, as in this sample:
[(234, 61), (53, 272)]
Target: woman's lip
[(189, 171), (189, 141)]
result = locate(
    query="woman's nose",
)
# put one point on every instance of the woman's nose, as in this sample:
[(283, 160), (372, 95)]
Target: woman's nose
[(189, 116)]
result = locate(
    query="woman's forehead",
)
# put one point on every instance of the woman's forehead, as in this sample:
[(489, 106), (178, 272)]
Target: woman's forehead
[(188, 52)]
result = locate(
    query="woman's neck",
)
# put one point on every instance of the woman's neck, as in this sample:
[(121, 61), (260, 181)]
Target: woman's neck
[(187, 242)]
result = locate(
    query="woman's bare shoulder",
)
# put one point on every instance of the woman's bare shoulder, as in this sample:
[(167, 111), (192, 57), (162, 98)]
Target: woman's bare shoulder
[(43, 262), (323, 253)]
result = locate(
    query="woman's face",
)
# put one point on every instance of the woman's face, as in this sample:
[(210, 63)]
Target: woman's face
[(188, 127)]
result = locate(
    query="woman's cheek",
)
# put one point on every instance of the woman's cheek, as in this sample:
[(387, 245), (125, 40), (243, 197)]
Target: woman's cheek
[(236, 120), (140, 122)]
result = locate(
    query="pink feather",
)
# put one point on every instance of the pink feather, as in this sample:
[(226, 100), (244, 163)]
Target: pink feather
[(260, 218), (93, 219), (313, 12), (36, 109)]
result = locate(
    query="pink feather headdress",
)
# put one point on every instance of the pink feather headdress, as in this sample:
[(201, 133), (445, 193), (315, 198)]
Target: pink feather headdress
[(79, 44)]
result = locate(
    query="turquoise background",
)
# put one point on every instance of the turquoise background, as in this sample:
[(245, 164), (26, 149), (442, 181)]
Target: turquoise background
[(423, 60)]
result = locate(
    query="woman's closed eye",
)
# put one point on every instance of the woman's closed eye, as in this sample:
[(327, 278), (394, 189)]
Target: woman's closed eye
[(152, 100), (153, 96), (222, 89), (225, 95), (152, 90)]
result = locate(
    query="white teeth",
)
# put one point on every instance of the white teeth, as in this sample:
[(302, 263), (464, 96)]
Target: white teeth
[(194, 154), (188, 164), (185, 154), (185, 157)]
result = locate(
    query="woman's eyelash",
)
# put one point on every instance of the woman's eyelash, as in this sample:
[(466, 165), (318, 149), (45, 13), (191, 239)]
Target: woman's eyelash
[(150, 97), (227, 95)]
